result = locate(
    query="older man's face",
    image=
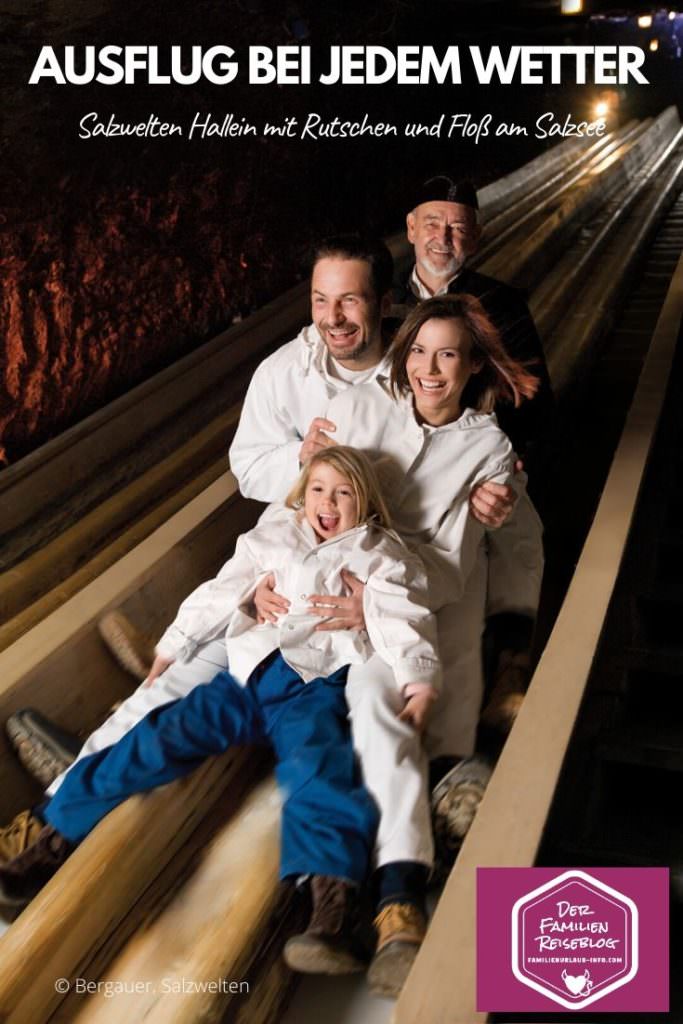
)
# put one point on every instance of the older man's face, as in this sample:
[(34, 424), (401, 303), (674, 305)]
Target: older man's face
[(444, 235), (346, 311)]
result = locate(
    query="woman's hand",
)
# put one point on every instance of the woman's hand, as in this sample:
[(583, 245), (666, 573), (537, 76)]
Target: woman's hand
[(315, 440), (159, 666), (418, 708), (268, 604), (347, 612), (493, 504)]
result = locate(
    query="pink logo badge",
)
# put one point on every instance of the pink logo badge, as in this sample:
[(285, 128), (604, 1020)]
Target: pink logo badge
[(572, 937)]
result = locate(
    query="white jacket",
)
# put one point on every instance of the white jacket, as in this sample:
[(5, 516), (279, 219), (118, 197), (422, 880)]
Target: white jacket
[(427, 474), (288, 390), (399, 625)]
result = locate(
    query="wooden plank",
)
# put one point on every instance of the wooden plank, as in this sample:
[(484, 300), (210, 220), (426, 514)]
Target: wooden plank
[(187, 959), (61, 930), (45, 579)]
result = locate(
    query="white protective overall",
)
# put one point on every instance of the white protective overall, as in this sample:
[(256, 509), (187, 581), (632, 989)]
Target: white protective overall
[(288, 390), (427, 474)]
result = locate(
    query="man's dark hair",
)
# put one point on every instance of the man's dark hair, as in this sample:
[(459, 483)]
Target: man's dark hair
[(370, 250)]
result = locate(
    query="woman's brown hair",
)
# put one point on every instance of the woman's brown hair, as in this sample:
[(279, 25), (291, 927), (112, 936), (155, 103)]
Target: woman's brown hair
[(501, 378)]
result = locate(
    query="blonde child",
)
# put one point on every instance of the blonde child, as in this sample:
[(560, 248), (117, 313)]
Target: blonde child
[(285, 687)]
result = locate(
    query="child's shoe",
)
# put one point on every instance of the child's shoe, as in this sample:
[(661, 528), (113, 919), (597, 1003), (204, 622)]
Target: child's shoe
[(400, 929), (132, 649), (23, 877), (331, 943), (22, 832)]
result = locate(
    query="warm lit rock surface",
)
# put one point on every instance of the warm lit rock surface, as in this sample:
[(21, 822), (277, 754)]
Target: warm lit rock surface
[(94, 298)]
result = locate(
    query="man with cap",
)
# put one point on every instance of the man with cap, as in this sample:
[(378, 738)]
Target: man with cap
[(443, 226)]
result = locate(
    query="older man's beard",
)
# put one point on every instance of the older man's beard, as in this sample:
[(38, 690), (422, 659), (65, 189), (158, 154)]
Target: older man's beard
[(445, 271)]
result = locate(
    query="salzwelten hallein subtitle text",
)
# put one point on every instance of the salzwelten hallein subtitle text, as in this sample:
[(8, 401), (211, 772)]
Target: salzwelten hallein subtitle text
[(314, 127)]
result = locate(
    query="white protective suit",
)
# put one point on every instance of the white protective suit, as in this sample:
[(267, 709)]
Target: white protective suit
[(399, 626), (288, 390), (427, 474)]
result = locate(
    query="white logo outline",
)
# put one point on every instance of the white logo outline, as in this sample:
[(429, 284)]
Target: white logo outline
[(574, 875)]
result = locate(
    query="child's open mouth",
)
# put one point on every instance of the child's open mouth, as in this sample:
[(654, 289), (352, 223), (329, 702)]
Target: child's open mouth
[(328, 523)]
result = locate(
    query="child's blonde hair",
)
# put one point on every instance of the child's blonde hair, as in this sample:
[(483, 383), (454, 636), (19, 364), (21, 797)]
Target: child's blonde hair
[(356, 467)]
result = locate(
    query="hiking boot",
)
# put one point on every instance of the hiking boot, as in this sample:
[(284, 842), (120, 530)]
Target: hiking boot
[(133, 651), (43, 748), (455, 801), (511, 683), (400, 929), (21, 833), (332, 943), (23, 877)]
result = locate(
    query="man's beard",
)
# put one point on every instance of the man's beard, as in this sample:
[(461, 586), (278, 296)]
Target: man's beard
[(450, 269), (356, 353)]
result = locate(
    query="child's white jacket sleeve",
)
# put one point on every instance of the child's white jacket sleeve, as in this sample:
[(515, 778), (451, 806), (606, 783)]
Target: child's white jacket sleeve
[(205, 614), (400, 625)]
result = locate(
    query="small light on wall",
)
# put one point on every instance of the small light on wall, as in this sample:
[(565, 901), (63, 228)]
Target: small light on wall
[(645, 21), (572, 6), (601, 109), (654, 45), (672, 15)]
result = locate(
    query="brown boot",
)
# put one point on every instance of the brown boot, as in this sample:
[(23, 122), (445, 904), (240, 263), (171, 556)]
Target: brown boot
[(331, 943), (23, 877), (132, 649), (21, 833), (400, 929), (511, 683)]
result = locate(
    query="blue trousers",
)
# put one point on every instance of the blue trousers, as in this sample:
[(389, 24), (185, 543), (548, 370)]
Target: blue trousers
[(329, 819)]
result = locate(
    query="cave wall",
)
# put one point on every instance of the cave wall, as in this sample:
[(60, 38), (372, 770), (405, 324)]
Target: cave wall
[(99, 293)]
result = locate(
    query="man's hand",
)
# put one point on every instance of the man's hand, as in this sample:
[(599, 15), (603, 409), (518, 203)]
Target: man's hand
[(268, 604), (159, 666), (315, 440), (347, 611), (417, 708), (492, 504)]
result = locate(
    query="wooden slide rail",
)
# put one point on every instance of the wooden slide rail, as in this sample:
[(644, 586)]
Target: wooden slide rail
[(611, 173), (88, 910), (509, 825)]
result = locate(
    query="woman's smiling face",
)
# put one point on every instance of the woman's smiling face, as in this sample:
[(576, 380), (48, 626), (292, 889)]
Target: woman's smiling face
[(438, 367), (330, 503)]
